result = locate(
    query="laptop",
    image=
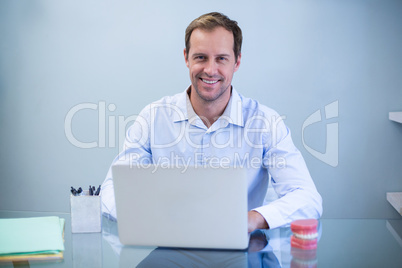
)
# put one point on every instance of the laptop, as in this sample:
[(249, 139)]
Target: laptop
[(188, 207)]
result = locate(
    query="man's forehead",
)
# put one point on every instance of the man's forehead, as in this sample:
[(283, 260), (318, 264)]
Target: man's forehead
[(218, 40), (218, 31)]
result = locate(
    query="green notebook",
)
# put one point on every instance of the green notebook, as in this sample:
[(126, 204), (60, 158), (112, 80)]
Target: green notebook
[(31, 235)]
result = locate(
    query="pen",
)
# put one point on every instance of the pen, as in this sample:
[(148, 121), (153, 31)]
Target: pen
[(98, 190), (91, 192), (73, 191)]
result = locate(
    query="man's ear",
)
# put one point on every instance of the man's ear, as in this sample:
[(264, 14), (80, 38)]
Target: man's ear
[(237, 64), (185, 57)]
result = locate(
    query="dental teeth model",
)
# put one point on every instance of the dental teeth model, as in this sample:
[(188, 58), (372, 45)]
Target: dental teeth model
[(304, 234)]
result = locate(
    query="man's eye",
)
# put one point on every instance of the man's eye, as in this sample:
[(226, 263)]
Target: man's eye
[(222, 58), (200, 58)]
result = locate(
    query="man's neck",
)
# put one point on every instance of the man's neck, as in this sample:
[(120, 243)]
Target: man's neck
[(208, 111)]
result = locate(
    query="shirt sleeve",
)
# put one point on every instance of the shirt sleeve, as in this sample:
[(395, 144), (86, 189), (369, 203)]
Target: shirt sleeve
[(291, 180), (136, 150)]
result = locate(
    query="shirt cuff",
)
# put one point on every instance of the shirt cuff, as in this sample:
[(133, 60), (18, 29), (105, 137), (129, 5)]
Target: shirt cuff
[(271, 215)]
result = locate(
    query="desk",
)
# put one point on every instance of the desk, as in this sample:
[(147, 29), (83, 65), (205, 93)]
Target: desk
[(342, 243)]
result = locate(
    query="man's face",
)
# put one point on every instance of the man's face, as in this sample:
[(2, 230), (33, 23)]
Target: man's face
[(211, 62)]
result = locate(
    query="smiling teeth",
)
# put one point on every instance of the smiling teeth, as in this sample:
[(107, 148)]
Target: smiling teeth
[(209, 82), (307, 236)]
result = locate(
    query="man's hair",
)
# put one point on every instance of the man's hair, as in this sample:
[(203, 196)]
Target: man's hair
[(209, 22)]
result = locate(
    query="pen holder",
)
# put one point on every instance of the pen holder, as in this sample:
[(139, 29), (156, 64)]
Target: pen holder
[(85, 213)]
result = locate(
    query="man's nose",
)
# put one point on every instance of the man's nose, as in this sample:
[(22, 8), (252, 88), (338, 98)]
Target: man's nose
[(211, 68)]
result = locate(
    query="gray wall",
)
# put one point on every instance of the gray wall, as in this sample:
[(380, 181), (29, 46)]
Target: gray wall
[(116, 57)]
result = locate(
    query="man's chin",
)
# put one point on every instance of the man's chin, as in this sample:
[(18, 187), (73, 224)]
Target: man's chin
[(208, 95)]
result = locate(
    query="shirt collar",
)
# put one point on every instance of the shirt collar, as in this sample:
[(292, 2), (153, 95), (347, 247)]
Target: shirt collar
[(234, 109), (182, 104), (233, 112)]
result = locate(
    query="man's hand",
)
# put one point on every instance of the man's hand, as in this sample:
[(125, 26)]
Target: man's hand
[(256, 221)]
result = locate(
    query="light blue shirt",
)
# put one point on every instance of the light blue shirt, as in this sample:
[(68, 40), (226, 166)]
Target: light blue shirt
[(248, 134)]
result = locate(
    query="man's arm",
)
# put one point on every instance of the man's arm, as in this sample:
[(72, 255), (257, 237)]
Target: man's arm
[(107, 196), (291, 180), (136, 148)]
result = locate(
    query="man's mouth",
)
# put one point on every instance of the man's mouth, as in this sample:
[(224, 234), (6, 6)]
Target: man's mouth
[(209, 81)]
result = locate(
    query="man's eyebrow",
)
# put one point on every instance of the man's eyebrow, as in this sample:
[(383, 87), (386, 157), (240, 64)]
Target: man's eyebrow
[(198, 54), (223, 55), (218, 55)]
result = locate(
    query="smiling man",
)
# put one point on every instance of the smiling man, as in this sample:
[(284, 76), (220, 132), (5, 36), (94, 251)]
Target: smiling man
[(212, 62), (211, 124)]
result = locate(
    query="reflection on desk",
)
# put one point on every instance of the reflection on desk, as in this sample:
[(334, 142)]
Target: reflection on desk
[(343, 243), (170, 257), (267, 248)]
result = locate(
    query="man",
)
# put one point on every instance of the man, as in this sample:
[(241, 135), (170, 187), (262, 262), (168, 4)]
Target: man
[(211, 124)]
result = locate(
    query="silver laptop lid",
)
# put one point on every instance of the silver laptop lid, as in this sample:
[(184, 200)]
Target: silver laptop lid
[(181, 207)]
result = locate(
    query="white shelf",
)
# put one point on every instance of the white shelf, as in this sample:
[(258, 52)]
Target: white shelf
[(395, 199), (395, 116)]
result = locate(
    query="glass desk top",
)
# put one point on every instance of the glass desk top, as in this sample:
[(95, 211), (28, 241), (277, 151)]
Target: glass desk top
[(342, 243)]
